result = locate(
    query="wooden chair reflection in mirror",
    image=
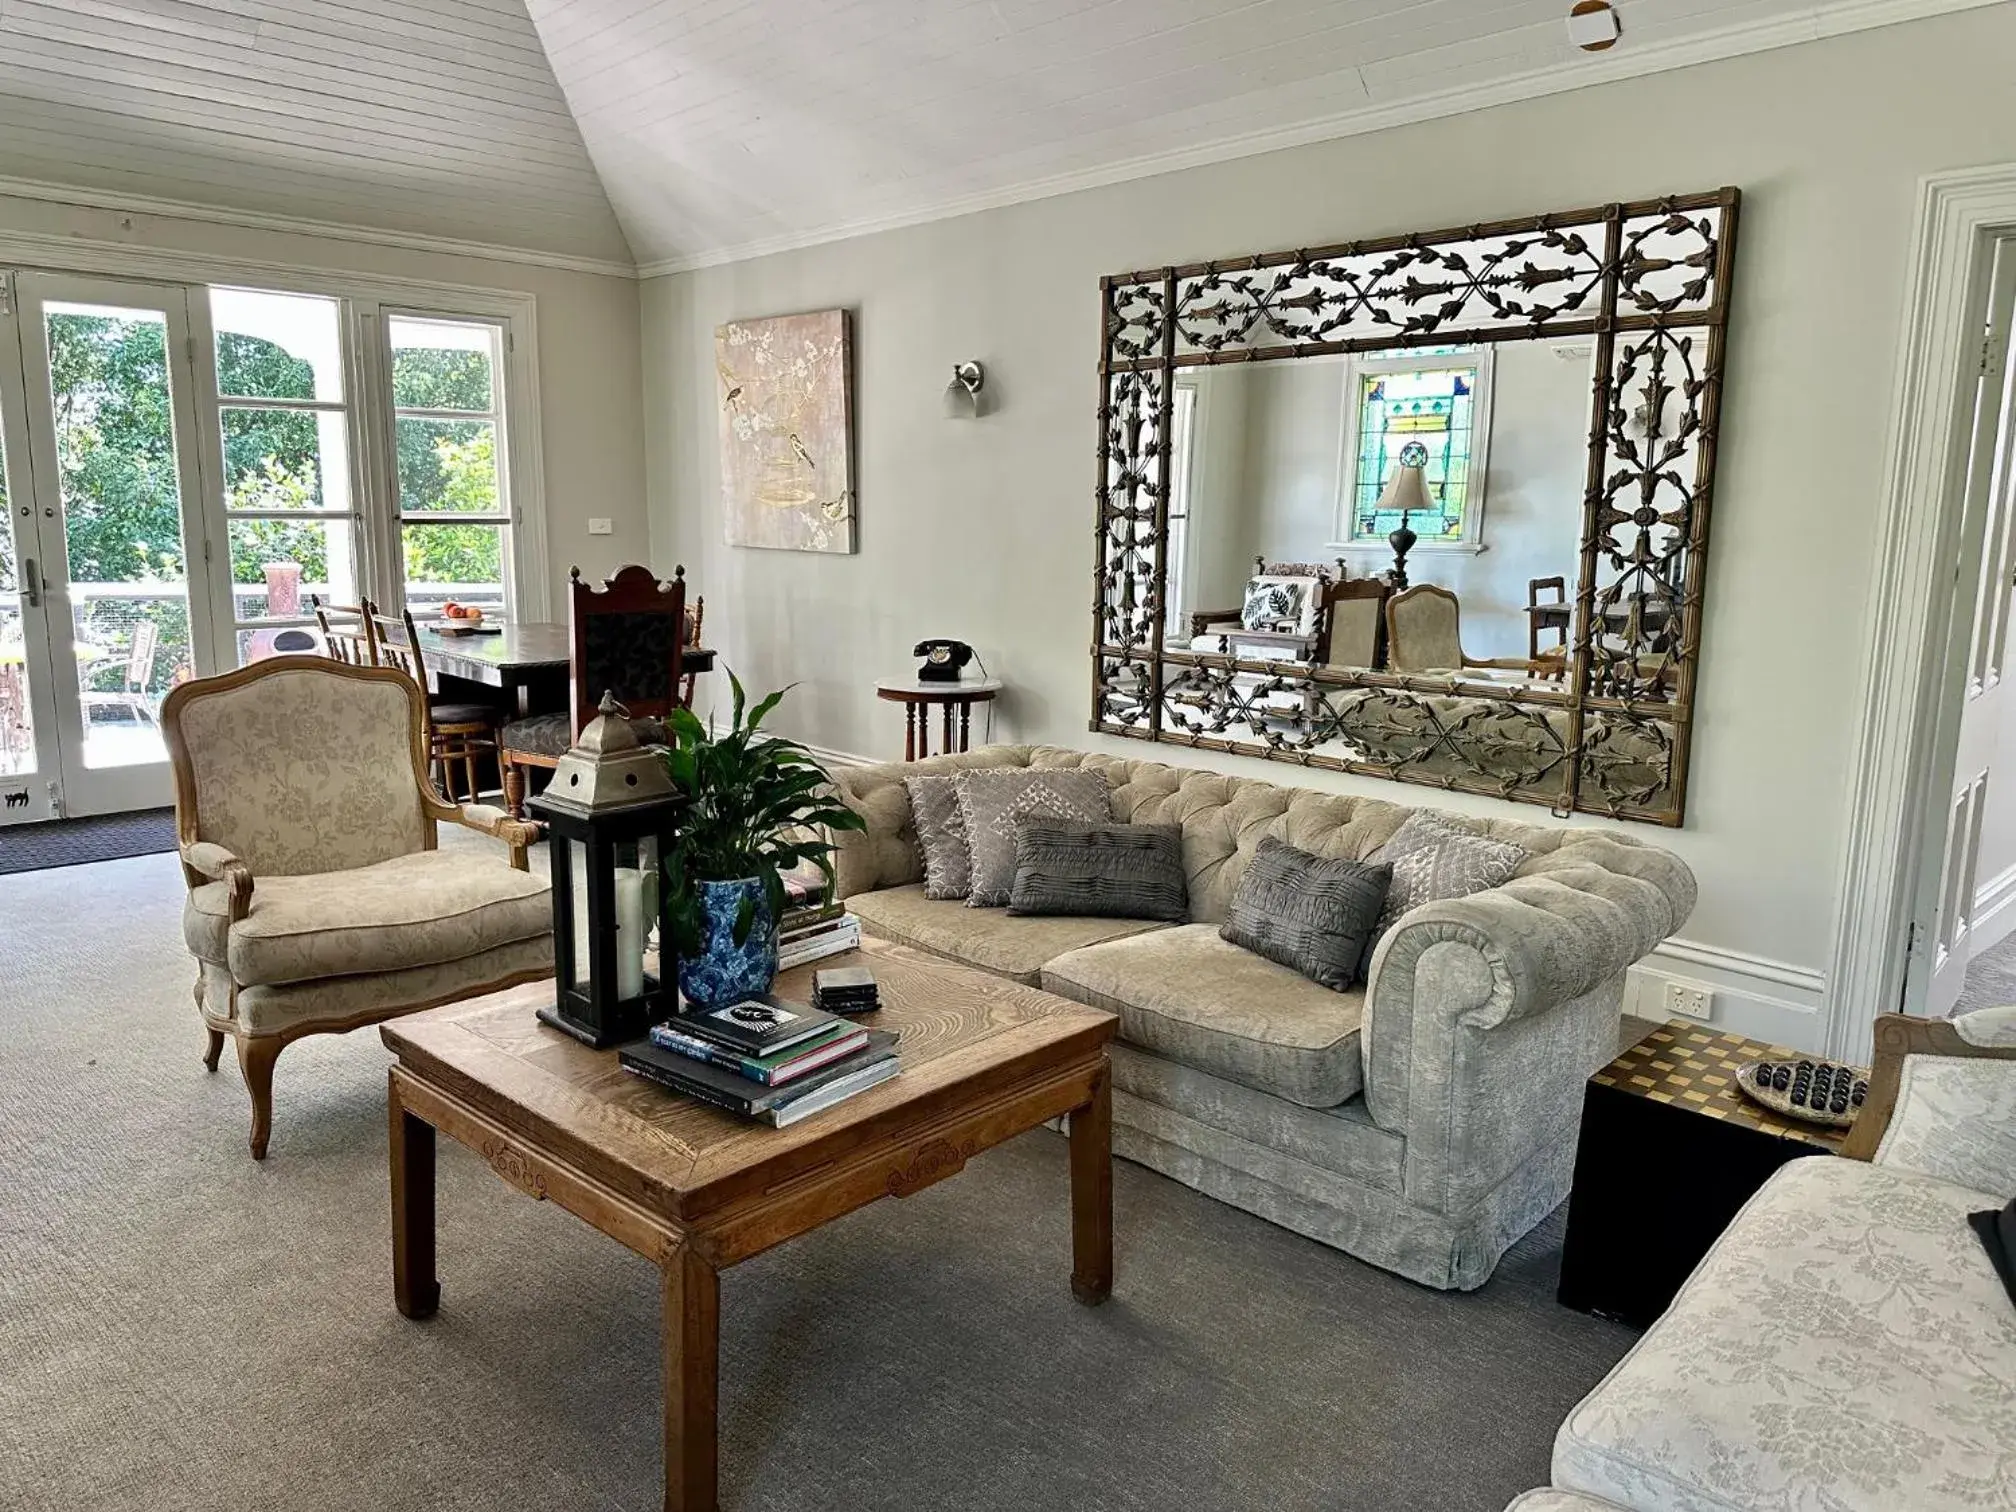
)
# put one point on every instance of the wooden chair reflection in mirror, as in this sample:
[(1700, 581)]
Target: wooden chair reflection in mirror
[(1424, 633), (1297, 636)]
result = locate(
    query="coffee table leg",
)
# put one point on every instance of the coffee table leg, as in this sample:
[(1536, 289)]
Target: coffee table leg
[(692, 1291), (1092, 1195), (414, 1286)]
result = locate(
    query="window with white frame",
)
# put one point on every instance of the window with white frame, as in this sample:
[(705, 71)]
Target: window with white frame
[(1436, 399), (454, 505), (284, 428)]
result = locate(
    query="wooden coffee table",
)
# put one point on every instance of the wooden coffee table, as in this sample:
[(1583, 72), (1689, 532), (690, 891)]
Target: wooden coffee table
[(694, 1190)]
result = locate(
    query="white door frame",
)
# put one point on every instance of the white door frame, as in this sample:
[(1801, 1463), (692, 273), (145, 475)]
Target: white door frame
[(1912, 599)]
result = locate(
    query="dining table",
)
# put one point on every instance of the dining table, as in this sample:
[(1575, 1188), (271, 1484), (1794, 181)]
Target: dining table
[(529, 662)]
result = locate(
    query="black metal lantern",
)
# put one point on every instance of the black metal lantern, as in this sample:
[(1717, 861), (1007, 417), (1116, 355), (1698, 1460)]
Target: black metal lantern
[(612, 811)]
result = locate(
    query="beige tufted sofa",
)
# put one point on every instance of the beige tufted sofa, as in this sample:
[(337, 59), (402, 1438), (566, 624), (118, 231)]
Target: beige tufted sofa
[(1422, 1124)]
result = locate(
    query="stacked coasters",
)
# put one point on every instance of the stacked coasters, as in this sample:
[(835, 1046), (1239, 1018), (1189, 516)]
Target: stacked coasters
[(1817, 1092), (845, 989)]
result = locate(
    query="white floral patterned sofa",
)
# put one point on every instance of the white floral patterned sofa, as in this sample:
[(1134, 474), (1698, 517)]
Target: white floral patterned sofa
[(1846, 1346)]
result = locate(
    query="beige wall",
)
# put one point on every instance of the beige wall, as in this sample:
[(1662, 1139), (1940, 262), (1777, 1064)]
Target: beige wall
[(589, 354), (982, 530)]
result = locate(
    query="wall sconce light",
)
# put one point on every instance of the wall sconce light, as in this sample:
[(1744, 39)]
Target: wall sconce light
[(962, 394)]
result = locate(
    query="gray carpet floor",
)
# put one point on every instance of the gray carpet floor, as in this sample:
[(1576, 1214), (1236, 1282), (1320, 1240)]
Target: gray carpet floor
[(1991, 978), (181, 1328)]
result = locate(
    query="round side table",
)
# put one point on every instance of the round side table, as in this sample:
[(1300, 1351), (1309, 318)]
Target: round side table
[(918, 698)]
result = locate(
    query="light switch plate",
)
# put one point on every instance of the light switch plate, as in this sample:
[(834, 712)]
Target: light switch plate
[(599, 526)]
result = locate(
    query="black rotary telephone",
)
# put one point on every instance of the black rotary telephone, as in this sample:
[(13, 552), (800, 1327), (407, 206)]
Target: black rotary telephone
[(944, 660)]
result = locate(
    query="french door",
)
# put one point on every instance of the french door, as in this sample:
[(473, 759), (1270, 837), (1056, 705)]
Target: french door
[(104, 597)]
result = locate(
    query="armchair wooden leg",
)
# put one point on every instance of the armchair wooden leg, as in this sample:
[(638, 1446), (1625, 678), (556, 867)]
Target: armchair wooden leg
[(514, 787), (255, 1059), (214, 1050)]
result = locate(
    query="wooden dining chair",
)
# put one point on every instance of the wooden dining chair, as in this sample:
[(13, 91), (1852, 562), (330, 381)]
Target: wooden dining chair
[(627, 638), (460, 734), (346, 632)]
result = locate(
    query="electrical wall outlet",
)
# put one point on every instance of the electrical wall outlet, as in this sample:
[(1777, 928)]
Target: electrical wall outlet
[(599, 526), (1695, 1000)]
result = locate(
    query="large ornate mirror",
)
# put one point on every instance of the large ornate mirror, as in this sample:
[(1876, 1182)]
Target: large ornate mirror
[(1430, 507)]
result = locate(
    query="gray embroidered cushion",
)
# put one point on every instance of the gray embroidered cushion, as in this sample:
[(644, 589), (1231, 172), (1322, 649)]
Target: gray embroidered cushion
[(1111, 871), (1307, 913), (941, 837), (1433, 860), (992, 805)]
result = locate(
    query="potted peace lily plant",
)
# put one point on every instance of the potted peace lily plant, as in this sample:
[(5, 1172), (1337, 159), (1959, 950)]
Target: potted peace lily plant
[(757, 807)]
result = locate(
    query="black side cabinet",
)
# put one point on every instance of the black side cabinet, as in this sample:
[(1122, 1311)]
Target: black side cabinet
[(1670, 1149)]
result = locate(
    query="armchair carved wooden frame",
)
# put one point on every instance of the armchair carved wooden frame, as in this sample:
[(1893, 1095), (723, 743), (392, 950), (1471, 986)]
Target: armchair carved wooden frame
[(207, 860), (1648, 283)]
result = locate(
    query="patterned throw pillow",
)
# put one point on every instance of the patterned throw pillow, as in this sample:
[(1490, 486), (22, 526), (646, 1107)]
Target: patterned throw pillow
[(941, 836), (993, 803), (1111, 871), (1279, 603), (1432, 860), (1310, 914)]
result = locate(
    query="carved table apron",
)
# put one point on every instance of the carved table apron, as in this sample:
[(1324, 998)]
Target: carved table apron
[(694, 1191)]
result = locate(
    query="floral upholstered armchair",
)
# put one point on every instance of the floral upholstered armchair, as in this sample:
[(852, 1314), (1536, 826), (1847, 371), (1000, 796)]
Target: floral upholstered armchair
[(317, 899)]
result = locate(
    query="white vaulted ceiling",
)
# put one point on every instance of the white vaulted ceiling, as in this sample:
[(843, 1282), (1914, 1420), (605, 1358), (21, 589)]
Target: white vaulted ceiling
[(724, 128), (437, 118)]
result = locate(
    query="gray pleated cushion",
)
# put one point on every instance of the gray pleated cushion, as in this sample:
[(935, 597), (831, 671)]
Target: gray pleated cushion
[(1108, 871), (1307, 913), (941, 837), (994, 802)]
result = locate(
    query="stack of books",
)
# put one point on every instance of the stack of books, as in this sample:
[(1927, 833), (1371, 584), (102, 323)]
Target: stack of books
[(813, 931), (764, 1059)]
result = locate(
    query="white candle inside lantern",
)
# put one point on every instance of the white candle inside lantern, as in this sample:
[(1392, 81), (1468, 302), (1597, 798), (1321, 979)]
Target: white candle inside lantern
[(629, 932)]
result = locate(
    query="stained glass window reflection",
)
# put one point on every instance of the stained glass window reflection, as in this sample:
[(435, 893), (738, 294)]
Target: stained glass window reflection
[(1427, 399)]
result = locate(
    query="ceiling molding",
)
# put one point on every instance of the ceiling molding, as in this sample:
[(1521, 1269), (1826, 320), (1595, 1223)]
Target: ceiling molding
[(409, 241), (1735, 40)]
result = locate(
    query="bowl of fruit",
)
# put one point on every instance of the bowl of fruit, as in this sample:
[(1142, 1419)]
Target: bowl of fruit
[(460, 619)]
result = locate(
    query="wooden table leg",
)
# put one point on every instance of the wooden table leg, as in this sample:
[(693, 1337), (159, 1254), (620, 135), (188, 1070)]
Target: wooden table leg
[(909, 732), (414, 1287), (1092, 1195), (692, 1291), (923, 731), (946, 745), (965, 724)]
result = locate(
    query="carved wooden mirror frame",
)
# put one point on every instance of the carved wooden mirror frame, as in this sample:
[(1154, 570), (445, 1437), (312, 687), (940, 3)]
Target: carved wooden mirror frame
[(1650, 283)]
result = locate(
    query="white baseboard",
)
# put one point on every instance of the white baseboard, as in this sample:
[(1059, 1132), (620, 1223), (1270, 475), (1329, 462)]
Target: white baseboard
[(1994, 913), (830, 757), (1766, 999)]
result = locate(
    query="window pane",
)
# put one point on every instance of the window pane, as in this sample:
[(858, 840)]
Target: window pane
[(277, 564), (464, 563), (17, 735), (285, 459), (116, 467), (448, 467), (277, 346), (437, 364)]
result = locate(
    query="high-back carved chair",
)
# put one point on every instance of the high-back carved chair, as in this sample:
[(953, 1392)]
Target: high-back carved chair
[(460, 733), (1424, 633), (628, 639), (317, 899)]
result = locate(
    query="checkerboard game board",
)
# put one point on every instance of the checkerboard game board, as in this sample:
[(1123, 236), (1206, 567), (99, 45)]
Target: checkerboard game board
[(1694, 1067)]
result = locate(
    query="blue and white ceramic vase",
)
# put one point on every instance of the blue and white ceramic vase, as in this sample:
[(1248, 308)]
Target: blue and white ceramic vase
[(724, 972)]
